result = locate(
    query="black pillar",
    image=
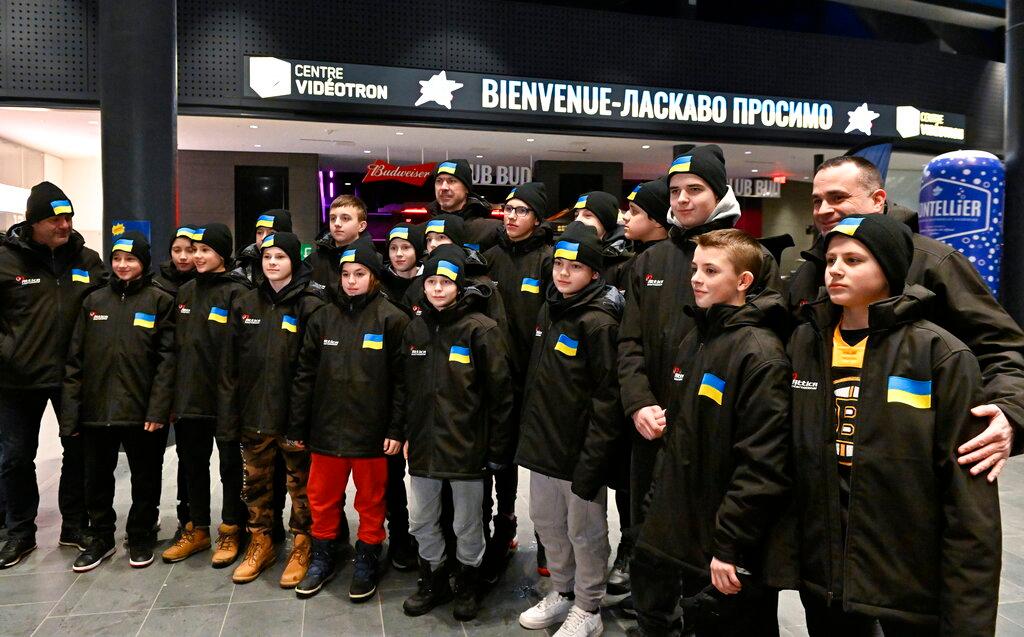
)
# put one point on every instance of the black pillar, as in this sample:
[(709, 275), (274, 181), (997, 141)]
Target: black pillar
[(1013, 224), (139, 104)]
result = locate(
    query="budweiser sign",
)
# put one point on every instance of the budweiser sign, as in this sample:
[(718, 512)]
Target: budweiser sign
[(383, 171)]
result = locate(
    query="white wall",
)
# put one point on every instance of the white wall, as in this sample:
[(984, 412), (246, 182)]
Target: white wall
[(83, 184)]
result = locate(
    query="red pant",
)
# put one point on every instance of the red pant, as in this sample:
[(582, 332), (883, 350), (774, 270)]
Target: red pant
[(328, 477)]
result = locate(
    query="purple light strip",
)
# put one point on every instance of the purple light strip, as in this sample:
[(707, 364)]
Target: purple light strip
[(323, 204), (332, 190)]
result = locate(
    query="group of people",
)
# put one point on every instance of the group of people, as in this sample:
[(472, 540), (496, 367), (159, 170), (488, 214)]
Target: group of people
[(655, 352)]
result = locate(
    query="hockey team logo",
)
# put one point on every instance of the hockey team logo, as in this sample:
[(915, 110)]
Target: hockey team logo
[(652, 282), (270, 77)]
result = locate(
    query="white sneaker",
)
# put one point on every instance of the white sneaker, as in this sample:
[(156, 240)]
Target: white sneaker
[(549, 611), (580, 623)]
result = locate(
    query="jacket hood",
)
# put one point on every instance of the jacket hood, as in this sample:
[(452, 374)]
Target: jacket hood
[(886, 314), (542, 236), (616, 244), (598, 295), (728, 208), (766, 309), (476, 263), (473, 299), (300, 281), (129, 288)]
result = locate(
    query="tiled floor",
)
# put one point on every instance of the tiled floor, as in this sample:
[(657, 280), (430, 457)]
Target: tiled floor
[(44, 597)]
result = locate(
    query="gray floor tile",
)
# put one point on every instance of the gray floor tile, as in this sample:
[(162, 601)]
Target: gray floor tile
[(329, 614), (281, 617), (112, 624), (437, 623), (194, 581), (22, 619), (116, 586), (34, 587), (184, 622)]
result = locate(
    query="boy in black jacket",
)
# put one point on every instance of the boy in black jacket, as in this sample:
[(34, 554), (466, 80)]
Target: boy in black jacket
[(267, 324), (571, 419), (179, 268), (723, 472), (457, 411), (200, 336), (117, 391), (405, 251), (890, 526), (600, 211)]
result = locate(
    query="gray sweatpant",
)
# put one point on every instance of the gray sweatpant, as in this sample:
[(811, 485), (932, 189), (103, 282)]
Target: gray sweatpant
[(574, 533), (425, 516)]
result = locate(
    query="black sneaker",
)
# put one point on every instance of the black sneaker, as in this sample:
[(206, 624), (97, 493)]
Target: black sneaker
[(364, 572), (91, 557), (73, 537), (500, 549), (403, 553), (140, 555), (321, 569), (618, 579), (14, 550)]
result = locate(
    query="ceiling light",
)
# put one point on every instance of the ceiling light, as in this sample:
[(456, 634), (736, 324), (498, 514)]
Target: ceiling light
[(753, 170), (747, 152), (399, 133), (94, 122), (253, 126), (367, 152), (529, 139), (645, 146), (479, 156), (258, 145), (348, 183)]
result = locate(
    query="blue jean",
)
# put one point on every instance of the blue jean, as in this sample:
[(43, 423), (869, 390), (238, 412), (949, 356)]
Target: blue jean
[(20, 414)]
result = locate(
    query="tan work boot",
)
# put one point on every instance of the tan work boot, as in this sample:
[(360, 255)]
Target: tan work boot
[(298, 562), (190, 541), (229, 539), (259, 555)]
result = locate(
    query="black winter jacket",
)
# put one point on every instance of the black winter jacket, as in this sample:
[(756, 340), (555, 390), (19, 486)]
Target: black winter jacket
[(459, 391), (571, 416), (41, 292), (618, 255), (266, 333), (120, 365), (397, 287), (482, 229), (249, 264), (169, 278), (325, 259), (923, 542), (723, 474), (201, 336), (348, 392)]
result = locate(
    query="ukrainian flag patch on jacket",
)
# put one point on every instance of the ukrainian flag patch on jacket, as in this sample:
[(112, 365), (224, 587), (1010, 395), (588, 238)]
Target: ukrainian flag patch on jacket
[(567, 250), (915, 393), (218, 315), (566, 345), (373, 341), (459, 354), (80, 276), (712, 387), (530, 285), (289, 323), (144, 320)]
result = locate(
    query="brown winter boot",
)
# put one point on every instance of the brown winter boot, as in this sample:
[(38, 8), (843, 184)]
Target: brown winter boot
[(190, 541), (259, 555), (298, 562), (229, 539)]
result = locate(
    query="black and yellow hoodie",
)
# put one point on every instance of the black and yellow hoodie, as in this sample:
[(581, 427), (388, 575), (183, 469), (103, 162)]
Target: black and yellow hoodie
[(922, 541), (347, 396), (723, 475), (571, 415), (120, 365)]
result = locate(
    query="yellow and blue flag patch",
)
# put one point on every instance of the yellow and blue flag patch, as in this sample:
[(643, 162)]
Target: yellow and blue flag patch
[(459, 354), (348, 256), (218, 315), (268, 242), (511, 195), (712, 387), (289, 323), (123, 244), (915, 393), (435, 225), (567, 250), (265, 221), (446, 167), (681, 164), (399, 233), (144, 320), (197, 234), (632, 196), (530, 285), (373, 341), (448, 269), (80, 276), (61, 207), (566, 345), (580, 203), (848, 226), (185, 231)]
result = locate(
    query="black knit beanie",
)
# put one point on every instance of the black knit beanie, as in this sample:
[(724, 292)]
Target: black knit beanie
[(287, 242), (217, 236), (889, 240), (458, 168), (605, 207), (448, 261), (279, 220), (413, 233), (361, 251), (652, 198), (579, 242), (134, 243), (45, 201), (451, 226), (708, 163), (535, 195)]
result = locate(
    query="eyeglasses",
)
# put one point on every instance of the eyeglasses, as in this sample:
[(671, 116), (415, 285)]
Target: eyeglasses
[(519, 211)]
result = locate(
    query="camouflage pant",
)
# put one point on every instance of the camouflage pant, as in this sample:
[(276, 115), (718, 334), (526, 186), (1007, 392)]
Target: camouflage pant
[(258, 482)]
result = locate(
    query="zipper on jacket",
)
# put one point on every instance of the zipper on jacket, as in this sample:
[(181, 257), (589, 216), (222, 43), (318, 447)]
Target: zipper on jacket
[(266, 365), (117, 342), (827, 461)]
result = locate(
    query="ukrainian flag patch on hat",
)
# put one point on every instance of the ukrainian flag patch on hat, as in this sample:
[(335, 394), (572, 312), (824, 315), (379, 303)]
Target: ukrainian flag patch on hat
[(511, 195), (459, 354), (218, 315), (581, 202), (447, 167), (197, 234), (61, 207), (849, 225), (186, 232), (448, 269), (399, 233), (915, 393), (681, 164), (268, 242), (435, 225), (144, 320), (566, 345), (711, 386), (80, 276), (289, 324), (530, 285), (123, 244), (567, 250), (265, 221), (632, 196), (373, 341), (349, 256)]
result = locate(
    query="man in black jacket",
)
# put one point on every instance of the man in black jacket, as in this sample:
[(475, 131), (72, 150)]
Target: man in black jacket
[(45, 272), (453, 194), (961, 304)]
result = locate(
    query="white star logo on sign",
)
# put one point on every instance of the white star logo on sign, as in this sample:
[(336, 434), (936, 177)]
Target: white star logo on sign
[(860, 119), (438, 89)]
